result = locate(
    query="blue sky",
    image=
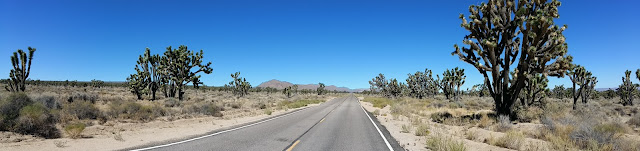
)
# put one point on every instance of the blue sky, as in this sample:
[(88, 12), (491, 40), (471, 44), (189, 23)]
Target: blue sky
[(338, 42)]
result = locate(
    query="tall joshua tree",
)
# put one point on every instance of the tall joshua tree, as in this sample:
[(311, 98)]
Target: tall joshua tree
[(421, 84), (504, 32), (178, 66), (321, 89), (582, 78), (379, 84), (627, 89), (240, 85), (21, 70), (451, 82)]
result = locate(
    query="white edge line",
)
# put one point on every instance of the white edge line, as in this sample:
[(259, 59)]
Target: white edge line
[(374, 124), (217, 133)]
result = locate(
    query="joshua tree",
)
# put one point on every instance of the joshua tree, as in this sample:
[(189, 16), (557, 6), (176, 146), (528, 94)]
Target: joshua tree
[(480, 90), (97, 83), (421, 84), (627, 89), (379, 84), (21, 70), (287, 91), (177, 66), (394, 88), (321, 89), (534, 90), (584, 79), (506, 32), (239, 85), (451, 82), (136, 84)]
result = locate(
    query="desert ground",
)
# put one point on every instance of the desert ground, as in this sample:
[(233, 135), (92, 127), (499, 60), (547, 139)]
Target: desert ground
[(113, 119), (470, 124)]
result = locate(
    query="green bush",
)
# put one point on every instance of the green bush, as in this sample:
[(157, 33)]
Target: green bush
[(204, 108), (422, 130), (74, 130), (81, 110), (48, 101), (135, 111), (35, 119), (10, 109), (378, 102)]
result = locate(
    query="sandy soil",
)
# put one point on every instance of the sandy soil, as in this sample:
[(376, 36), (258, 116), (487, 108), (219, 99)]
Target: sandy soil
[(119, 135)]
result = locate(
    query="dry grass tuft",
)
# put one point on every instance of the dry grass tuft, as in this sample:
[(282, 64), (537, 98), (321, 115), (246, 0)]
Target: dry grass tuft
[(441, 143)]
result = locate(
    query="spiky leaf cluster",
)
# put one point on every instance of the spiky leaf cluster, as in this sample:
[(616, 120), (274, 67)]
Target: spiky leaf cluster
[(451, 82), (21, 63), (239, 85), (627, 89), (504, 32)]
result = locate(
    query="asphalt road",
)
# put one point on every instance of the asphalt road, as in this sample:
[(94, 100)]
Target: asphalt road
[(339, 124)]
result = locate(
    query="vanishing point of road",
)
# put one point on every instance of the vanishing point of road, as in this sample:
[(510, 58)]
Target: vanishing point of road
[(338, 124)]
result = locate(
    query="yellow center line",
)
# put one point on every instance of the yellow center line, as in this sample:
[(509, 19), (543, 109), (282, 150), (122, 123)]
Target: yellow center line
[(321, 120), (294, 145)]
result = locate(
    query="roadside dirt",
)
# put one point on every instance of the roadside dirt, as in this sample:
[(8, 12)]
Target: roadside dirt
[(120, 135)]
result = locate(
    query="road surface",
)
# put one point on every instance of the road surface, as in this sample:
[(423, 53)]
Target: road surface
[(338, 124)]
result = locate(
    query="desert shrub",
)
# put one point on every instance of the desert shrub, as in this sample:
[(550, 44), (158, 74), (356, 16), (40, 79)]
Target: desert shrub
[(204, 108), (590, 135), (172, 102), (471, 135), (441, 143), (74, 130), (422, 130), (485, 121), (81, 110), (35, 119), (135, 111), (399, 109), (10, 109), (512, 140), (268, 112), (527, 115), (504, 124), (236, 105), (405, 128), (48, 101), (83, 96), (261, 105), (378, 102), (440, 117), (635, 120)]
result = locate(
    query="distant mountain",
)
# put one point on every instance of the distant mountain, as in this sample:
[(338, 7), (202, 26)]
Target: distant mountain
[(283, 84)]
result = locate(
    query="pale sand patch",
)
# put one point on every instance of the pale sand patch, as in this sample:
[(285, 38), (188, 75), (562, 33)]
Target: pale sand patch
[(136, 134)]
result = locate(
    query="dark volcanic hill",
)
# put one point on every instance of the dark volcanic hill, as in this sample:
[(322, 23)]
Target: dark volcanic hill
[(283, 84)]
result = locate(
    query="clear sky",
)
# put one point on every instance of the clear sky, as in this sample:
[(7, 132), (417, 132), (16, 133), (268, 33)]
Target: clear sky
[(338, 42)]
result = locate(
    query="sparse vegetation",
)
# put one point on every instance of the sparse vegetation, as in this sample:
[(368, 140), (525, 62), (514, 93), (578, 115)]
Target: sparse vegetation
[(443, 143)]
